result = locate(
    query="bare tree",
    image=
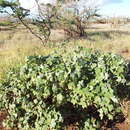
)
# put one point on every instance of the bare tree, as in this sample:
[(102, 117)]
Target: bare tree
[(69, 15), (75, 15)]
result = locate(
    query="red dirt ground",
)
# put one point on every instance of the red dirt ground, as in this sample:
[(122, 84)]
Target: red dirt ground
[(122, 126), (2, 117)]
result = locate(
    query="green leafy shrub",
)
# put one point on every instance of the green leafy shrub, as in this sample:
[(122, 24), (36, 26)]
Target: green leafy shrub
[(6, 23), (54, 91)]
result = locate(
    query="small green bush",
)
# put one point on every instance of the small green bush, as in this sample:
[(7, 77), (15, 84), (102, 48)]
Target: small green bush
[(55, 91), (6, 23)]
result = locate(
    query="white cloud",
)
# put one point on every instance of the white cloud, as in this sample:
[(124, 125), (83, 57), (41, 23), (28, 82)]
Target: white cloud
[(31, 4), (91, 2), (27, 4)]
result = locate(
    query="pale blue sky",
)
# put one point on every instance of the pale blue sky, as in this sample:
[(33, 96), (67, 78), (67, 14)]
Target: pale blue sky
[(116, 8), (107, 7)]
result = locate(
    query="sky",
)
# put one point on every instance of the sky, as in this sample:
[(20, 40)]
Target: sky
[(106, 7), (116, 8)]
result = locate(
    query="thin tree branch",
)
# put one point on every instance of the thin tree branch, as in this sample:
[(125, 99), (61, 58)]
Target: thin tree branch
[(31, 30)]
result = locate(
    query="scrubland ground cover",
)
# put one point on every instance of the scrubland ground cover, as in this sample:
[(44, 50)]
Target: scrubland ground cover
[(15, 45)]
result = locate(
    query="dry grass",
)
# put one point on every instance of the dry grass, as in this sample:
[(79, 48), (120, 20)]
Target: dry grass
[(16, 44)]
